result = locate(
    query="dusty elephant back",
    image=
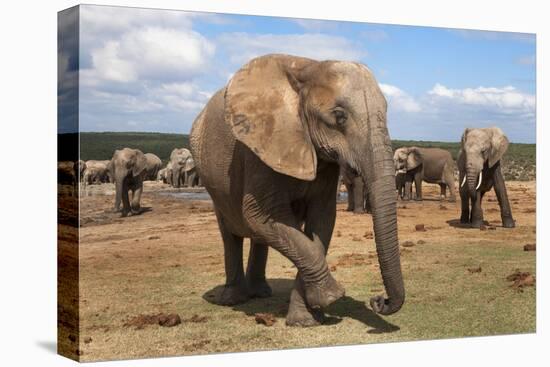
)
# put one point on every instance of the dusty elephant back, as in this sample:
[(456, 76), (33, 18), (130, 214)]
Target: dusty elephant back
[(436, 162)]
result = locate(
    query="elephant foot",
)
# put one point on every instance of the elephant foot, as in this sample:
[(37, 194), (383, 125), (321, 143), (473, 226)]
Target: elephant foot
[(464, 219), (417, 199), (302, 317), (476, 223), (233, 295), (259, 288), (322, 294), (508, 223), (452, 200)]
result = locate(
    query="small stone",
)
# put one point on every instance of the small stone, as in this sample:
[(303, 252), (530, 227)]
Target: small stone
[(420, 228), (530, 247), (88, 339), (408, 244)]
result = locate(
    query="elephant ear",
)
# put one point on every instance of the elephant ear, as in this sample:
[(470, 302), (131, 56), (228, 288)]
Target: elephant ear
[(262, 108), (499, 145), (414, 158), (139, 163), (189, 164)]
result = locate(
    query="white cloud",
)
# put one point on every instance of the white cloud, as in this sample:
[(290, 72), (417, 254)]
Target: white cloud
[(150, 53), (507, 99), (242, 46), (495, 35), (399, 99)]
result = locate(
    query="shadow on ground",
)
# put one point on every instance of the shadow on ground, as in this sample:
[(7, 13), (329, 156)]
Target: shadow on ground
[(456, 223), (277, 305)]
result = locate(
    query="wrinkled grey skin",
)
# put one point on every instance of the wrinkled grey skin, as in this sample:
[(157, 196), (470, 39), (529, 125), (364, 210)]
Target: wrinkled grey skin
[(129, 168), (481, 151), (153, 166), (180, 165), (357, 191), (268, 149), (432, 165)]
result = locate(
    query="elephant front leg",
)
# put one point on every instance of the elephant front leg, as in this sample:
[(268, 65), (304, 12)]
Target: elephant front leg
[(235, 290), (358, 195), (255, 271), (476, 216), (136, 199), (408, 191), (320, 219), (503, 202), (418, 186)]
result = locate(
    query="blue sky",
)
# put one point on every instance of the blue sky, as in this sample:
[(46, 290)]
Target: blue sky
[(153, 70)]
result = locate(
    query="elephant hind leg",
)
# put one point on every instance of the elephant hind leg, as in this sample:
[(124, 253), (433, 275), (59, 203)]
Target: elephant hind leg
[(235, 290), (255, 271)]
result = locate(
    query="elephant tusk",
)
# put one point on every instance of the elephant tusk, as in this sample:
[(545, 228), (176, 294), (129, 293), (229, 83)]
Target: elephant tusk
[(480, 179), (463, 181)]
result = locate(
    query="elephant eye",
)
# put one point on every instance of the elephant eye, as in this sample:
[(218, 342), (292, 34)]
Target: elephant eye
[(340, 115)]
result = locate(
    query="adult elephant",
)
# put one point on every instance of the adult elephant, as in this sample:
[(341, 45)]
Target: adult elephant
[(180, 165), (268, 148), (153, 166), (130, 168), (97, 172), (479, 170), (357, 191), (432, 165)]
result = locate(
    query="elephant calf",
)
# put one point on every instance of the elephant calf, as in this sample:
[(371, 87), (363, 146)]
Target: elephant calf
[(479, 172), (432, 165)]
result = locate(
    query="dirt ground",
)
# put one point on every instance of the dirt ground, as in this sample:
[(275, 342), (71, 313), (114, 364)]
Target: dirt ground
[(167, 264)]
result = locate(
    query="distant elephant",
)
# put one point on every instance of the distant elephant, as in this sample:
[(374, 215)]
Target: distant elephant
[(180, 165), (403, 184), (357, 191), (268, 148), (130, 168), (67, 173), (81, 169), (161, 175), (479, 170), (97, 172), (153, 166), (432, 165), (169, 173), (191, 176)]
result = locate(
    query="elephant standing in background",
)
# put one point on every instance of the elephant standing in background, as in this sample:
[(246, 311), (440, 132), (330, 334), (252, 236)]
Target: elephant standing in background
[(479, 171), (153, 166), (169, 173), (357, 191), (432, 165), (97, 172), (161, 175), (180, 165), (403, 182), (130, 168), (191, 176), (268, 149)]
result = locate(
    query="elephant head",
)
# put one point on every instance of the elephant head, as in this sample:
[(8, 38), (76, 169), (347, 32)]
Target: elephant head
[(480, 148), (406, 159), (294, 112), (178, 159)]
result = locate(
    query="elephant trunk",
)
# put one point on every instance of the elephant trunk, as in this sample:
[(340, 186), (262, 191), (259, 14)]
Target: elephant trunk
[(379, 172), (472, 181)]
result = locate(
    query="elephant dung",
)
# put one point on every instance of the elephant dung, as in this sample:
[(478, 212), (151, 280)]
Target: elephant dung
[(420, 228), (266, 319), (530, 247), (521, 280), (475, 270), (420, 242), (408, 244), (368, 235)]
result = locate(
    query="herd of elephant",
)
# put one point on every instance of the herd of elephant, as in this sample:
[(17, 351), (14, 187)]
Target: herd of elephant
[(268, 147), (127, 169)]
